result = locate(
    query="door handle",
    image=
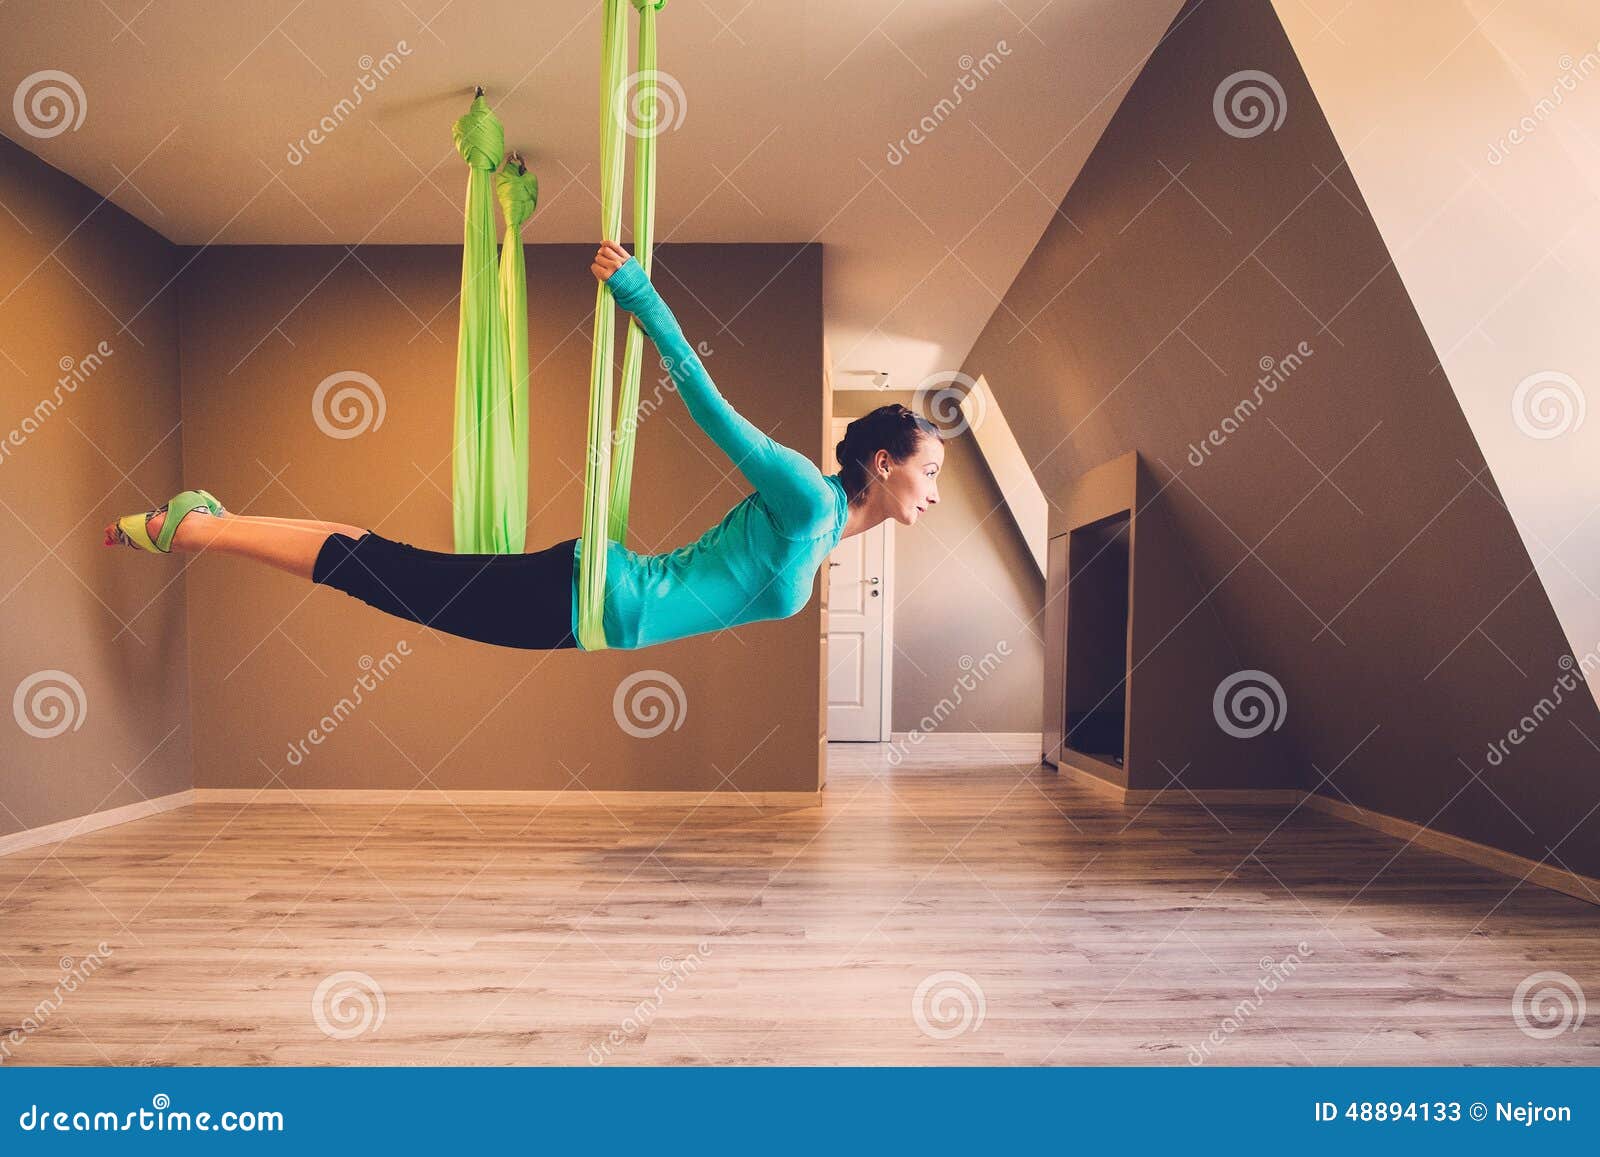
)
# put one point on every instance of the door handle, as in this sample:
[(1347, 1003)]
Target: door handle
[(873, 581)]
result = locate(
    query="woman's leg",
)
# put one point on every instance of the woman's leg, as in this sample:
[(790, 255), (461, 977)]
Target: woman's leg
[(515, 600), (289, 544)]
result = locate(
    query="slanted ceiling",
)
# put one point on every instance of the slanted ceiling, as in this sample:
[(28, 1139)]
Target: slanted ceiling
[(1345, 530)]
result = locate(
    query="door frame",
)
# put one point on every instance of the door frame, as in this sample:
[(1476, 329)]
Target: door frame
[(886, 666)]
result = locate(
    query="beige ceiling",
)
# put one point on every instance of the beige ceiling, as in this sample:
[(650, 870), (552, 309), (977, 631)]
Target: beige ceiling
[(190, 111)]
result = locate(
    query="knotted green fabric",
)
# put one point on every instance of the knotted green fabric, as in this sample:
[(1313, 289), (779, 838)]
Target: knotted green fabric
[(518, 193), (608, 482), (484, 461)]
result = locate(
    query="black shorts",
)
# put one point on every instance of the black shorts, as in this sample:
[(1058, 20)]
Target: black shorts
[(509, 600)]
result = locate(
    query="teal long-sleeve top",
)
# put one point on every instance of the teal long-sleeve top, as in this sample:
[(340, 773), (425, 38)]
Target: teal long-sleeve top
[(761, 560)]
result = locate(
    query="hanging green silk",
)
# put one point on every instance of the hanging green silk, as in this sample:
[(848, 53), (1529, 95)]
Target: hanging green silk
[(608, 481), (483, 459), (647, 107), (518, 192)]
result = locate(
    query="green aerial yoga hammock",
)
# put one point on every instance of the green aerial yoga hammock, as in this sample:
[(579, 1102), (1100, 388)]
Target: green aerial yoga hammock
[(605, 495), (518, 192), (484, 461), (490, 465)]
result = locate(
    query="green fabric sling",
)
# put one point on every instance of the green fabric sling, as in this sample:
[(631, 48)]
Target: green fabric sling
[(490, 454), (608, 480), (483, 458), (518, 193)]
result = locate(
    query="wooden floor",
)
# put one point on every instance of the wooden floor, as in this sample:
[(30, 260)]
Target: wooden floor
[(1040, 922)]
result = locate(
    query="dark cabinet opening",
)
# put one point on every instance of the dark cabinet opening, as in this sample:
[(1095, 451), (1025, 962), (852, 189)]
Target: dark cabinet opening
[(1095, 711)]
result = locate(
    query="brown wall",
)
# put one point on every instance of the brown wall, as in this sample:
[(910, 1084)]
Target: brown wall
[(76, 271), (1394, 601), (263, 326), (964, 580)]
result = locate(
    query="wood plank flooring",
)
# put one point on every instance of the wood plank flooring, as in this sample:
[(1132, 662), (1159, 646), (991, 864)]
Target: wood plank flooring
[(966, 907)]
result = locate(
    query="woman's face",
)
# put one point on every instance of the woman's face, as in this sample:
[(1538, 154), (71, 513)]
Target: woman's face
[(912, 486)]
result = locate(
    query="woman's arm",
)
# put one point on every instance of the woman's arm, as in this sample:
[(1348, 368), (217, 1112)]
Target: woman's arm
[(789, 483)]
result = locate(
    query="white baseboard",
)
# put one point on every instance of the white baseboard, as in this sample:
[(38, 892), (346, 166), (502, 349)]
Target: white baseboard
[(93, 822), (977, 738), (1507, 863), (564, 798), (96, 821)]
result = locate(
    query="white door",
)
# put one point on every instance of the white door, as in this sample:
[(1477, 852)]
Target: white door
[(860, 638)]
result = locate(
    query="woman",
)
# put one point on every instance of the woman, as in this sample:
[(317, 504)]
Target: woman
[(758, 563)]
